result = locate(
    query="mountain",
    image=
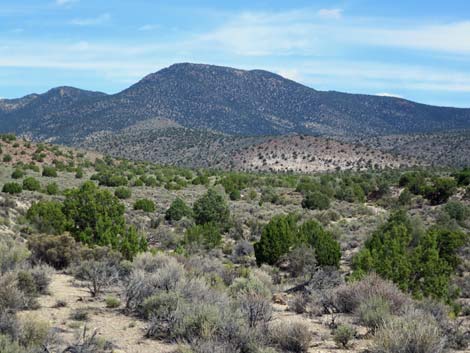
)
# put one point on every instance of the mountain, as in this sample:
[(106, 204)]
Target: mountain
[(223, 100)]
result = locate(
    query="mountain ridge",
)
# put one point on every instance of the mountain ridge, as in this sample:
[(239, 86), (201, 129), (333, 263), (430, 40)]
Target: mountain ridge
[(225, 100)]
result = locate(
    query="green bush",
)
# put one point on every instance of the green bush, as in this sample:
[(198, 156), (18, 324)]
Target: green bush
[(211, 208), (123, 192), (7, 158), (31, 184), (276, 239), (79, 173), (112, 302), (343, 335), (177, 210), (419, 262), (235, 195), (52, 189), (441, 190), (48, 171), (457, 210), (12, 188), (316, 201), (327, 249), (18, 174), (145, 205), (110, 179), (206, 235), (282, 233), (96, 217), (463, 177), (47, 217)]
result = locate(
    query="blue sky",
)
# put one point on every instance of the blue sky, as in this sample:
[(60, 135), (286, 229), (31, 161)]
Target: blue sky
[(419, 50)]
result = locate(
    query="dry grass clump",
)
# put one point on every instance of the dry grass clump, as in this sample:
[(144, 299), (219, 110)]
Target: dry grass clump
[(350, 296), (415, 332)]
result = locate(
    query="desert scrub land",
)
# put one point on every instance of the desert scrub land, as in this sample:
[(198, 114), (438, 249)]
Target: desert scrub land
[(106, 255)]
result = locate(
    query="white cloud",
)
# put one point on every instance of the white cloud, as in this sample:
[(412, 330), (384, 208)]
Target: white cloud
[(291, 74), (93, 21), (335, 14), (304, 32), (149, 27), (64, 2), (393, 95)]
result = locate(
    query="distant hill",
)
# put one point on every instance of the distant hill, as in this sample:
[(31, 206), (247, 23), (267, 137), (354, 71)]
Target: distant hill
[(225, 100), (165, 142)]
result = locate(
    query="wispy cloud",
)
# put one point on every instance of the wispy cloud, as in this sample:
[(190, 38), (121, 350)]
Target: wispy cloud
[(92, 21), (385, 94), (65, 2), (149, 27), (335, 14), (304, 31)]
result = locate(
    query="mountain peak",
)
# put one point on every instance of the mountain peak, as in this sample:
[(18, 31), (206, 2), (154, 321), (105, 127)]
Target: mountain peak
[(226, 100)]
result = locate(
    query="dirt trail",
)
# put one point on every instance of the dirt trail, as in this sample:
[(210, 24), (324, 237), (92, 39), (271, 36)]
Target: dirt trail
[(124, 332)]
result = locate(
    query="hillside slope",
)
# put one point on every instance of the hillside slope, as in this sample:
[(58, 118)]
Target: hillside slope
[(226, 100)]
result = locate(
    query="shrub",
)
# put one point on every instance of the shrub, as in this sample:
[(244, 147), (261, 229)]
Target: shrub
[(12, 188), (13, 254), (373, 311), (18, 174), (79, 314), (145, 205), (205, 235), (405, 197), (343, 335), (419, 262), (112, 302), (26, 284), (41, 276), (11, 297), (348, 297), (108, 178), (327, 249), (31, 184), (122, 192), (301, 260), (97, 275), (97, 217), (276, 239), (291, 336), (79, 173), (52, 189), (161, 305), (441, 190), (56, 250), (235, 195), (47, 217), (211, 208), (33, 331), (48, 171), (457, 210), (256, 308), (7, 345), (316, 201), (177, 210), (413, 332), (7, 158)]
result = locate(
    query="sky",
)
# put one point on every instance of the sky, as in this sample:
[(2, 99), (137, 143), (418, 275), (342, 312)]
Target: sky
[(418, 50)]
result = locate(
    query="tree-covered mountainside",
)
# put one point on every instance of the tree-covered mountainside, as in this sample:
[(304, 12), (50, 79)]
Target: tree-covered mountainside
[(226, 100)]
